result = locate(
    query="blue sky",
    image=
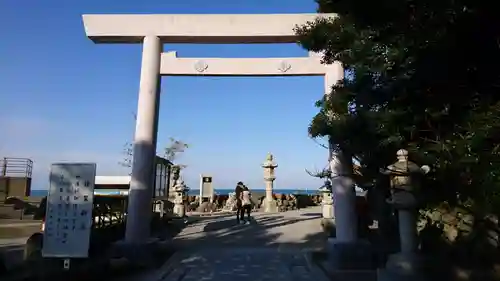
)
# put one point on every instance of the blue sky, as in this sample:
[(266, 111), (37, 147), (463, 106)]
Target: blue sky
[(65, 98)]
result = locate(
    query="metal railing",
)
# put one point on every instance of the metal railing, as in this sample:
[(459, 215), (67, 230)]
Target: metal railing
[(16, 167)]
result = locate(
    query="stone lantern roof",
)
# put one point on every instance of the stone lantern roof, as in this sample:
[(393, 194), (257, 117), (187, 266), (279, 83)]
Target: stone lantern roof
[(269, 163), (403, 166)]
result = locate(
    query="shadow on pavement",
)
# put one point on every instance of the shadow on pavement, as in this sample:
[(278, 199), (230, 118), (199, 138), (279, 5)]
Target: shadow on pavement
[(291, 230), (300, 230), (271, 245)]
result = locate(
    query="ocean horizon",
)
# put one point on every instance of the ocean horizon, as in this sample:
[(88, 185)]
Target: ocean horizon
[(218, 191)]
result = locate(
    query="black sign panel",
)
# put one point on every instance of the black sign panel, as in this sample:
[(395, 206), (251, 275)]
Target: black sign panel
[(207, 179)]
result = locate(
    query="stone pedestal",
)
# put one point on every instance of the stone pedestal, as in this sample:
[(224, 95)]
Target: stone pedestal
[(269, 206)]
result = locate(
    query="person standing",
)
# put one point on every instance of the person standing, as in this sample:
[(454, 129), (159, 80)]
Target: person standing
[(246, 202), (239, 206)]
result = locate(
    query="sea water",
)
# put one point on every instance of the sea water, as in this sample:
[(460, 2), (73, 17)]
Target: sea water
[(220, 191)]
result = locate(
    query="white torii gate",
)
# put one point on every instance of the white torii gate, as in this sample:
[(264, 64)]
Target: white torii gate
[(155, 30)]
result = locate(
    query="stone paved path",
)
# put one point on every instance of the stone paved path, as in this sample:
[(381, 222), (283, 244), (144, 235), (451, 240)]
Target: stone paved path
[(272, 247), (245, 264)]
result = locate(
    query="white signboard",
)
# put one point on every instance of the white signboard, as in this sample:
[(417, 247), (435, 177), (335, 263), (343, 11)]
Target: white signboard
[(206, 188), (68, 220)]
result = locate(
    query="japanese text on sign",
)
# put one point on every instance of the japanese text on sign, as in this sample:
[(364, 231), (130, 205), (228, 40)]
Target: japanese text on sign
[(69, 218)]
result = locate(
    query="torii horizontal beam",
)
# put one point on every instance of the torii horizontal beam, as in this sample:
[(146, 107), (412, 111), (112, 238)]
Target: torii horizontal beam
[(297, 66), (197, 28)]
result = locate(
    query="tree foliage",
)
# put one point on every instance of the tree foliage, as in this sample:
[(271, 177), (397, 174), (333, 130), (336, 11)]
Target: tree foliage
[(171, 152), (128, 152), (425, 77)]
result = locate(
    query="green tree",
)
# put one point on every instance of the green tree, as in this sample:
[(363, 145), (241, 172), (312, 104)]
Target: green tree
[(423, 75), (171, 152), (128, 151)]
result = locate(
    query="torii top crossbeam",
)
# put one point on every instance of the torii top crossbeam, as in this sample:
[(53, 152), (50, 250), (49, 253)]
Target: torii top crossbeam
[(197, 28)]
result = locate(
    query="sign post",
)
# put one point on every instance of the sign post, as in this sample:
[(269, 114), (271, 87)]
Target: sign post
[(68, 220), (206, 188)]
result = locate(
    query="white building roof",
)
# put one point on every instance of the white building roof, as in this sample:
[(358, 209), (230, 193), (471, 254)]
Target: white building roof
[(112, 180)]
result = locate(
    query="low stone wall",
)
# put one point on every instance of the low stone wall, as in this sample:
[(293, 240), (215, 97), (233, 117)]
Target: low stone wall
[(286, 202)]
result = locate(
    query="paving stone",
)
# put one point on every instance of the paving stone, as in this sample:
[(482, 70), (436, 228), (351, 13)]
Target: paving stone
[(269, 249), (243, 264)]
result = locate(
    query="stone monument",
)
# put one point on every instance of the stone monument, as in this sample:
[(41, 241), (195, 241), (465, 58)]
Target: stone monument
[(230, 204), (206, 189), (269, 204), (407, 264), (180, 189)]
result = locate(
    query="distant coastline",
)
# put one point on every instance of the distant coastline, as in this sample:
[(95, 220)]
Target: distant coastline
[(220, 191)]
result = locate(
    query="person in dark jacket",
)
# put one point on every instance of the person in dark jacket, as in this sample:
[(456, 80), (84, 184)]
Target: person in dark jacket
[(239, 206), (246, 203)]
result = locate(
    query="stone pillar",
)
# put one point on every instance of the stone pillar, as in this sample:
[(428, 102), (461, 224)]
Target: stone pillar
[(344, 195), (344, 199), (269, 184), (407, 264), (269, 204), (408, 233), (141, 184), (345, 251)]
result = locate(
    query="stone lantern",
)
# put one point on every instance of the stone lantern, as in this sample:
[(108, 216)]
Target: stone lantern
[(327, 221), (269, 204), (404, 176), (180, 190), (327, 200)]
